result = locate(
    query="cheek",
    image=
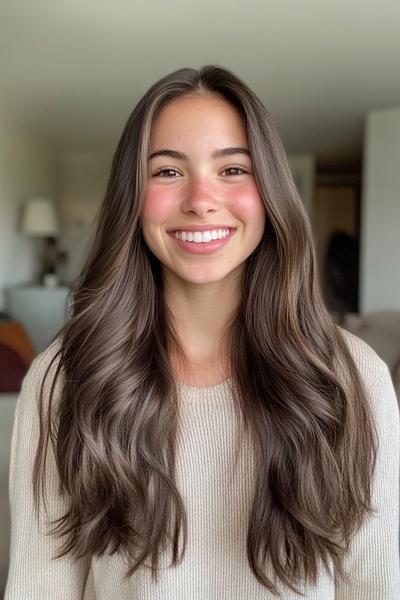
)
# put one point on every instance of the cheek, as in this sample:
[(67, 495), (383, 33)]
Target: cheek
[(245, 201), (157, 206)]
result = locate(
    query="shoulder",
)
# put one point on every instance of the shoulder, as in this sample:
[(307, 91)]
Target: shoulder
[(377, 379), (45, 362), (370, 365), (45, 358)]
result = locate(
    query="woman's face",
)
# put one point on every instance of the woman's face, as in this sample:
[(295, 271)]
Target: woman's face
[(200, 181)]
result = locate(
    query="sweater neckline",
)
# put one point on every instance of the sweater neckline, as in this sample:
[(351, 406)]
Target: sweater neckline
[(220, 391), (204, 387)]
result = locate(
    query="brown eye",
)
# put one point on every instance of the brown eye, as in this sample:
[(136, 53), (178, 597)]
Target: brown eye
[(238, 170), (166, 173)]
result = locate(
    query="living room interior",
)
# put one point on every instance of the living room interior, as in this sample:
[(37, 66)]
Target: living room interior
[(71, 74)]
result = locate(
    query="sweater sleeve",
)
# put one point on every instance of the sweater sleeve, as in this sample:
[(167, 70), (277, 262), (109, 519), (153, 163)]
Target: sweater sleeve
[(373, 562), (33, 573)]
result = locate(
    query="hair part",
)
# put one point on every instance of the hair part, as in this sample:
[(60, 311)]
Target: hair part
[(296, 391)]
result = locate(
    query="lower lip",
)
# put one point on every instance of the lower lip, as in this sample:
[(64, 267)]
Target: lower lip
[(203, 247)]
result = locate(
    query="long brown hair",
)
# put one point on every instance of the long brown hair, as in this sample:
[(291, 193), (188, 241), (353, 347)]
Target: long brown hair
[(296, 386)]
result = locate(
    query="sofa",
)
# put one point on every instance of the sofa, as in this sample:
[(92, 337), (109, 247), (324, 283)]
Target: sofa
[(381, 330), (7, 408), (16, 355)]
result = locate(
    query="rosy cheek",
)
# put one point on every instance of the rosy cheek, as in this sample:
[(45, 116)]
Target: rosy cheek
[(245, 200), (157, 205)]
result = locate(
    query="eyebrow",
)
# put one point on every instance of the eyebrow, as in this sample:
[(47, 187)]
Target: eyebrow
[(220, 153)]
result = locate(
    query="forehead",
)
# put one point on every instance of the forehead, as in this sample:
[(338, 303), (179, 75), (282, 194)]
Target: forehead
[(198, 117)]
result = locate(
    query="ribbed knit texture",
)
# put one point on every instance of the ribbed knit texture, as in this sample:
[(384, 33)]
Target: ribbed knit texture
[(217, 494)]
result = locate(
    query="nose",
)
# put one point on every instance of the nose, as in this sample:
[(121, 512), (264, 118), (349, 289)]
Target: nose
[(200, 197)]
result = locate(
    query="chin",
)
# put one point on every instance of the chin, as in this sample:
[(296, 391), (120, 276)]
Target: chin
[(204, 277)]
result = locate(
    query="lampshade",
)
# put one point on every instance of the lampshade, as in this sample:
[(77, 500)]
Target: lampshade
[(39, 218)]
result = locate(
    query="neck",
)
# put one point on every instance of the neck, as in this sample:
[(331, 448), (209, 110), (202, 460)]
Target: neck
[(201, 314)]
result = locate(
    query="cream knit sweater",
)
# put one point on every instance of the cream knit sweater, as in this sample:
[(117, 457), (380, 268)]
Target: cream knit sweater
[(217, 500)]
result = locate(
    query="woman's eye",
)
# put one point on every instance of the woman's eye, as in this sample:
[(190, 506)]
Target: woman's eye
[(238, 170), (166, 172)]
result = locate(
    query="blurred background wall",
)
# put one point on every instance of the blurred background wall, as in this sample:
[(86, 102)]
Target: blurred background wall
[(380, 226)]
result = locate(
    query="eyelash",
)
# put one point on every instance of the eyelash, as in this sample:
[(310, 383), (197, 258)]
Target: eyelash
[(227, 169)]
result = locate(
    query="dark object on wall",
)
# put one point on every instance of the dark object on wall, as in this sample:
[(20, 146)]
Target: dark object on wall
[(341, 273)]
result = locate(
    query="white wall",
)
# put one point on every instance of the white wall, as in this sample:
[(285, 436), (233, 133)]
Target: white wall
[(380, 217), (303, 169), (27, 169), (82, 181)]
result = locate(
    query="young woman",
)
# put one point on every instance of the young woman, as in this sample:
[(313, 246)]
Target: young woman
[(200, 428)]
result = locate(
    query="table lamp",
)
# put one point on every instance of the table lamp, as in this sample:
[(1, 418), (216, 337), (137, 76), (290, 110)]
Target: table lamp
[(39, 219)]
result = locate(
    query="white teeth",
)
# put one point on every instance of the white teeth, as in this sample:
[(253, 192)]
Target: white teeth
[(199, 237)]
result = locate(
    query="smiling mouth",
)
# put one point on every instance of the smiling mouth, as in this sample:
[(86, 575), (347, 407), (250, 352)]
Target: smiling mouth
[(201, 242), (202, 237)]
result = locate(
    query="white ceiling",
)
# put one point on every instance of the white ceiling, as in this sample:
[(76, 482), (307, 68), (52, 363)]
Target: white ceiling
[(73, 70)]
